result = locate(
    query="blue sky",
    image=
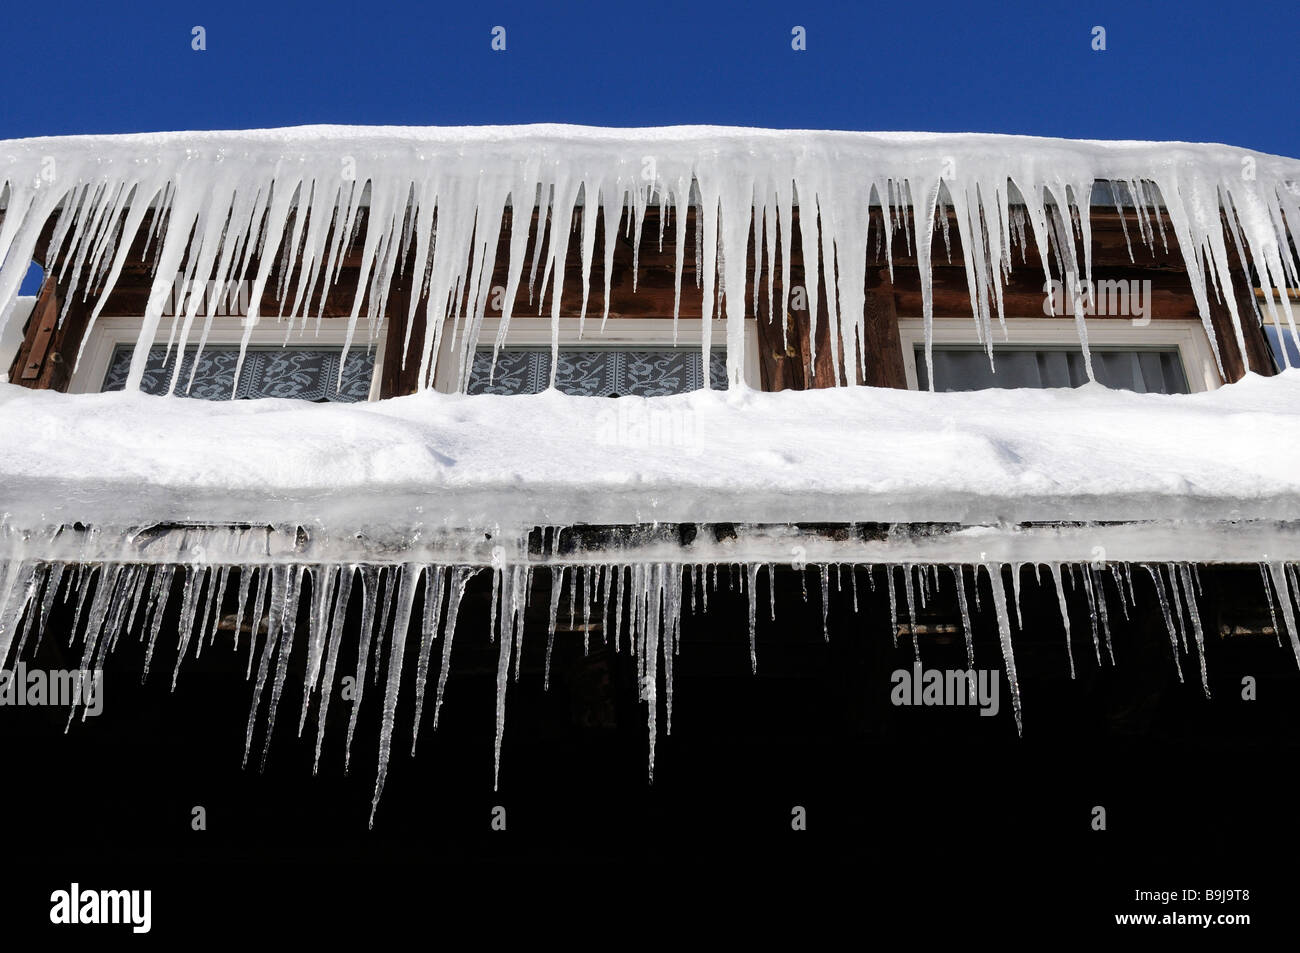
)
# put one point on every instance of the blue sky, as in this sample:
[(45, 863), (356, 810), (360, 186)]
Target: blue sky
[(1196, 71), (1191, 70)]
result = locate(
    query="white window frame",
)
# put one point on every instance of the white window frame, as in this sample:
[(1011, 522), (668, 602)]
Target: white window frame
[(109, 334), (1187, 335), (618, 334)]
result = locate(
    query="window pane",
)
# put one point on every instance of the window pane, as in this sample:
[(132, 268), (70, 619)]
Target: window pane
[(296, 373), (958, 368), (605, 372), (1278, 343)]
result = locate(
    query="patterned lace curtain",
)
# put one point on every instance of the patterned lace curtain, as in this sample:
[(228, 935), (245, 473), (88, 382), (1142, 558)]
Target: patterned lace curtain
[(295, 373), (606, 372)]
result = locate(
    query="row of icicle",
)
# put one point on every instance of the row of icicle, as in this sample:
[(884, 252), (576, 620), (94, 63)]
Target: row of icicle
[(243, 207), (651, 598)]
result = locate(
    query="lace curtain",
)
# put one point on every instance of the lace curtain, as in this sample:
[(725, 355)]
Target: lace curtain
[(297, 373), (597, 373)]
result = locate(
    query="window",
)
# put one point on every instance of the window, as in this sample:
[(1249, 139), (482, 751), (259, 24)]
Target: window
[(603, 372), (962, 367), (1280, 341), (1163, 356), (304, 368), (298, 373), (630, 357)]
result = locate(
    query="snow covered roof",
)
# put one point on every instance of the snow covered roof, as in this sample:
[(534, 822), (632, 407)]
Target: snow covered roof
[(230, 194), (852, 455), (439, 195)]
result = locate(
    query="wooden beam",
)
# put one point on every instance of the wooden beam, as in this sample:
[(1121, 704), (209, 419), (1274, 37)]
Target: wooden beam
[(34, 354), (884, 347)]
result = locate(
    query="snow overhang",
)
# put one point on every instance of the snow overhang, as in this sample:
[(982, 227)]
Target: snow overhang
[(433, 464)]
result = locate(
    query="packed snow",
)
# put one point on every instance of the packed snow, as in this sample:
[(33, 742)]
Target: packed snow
[(845, 455)]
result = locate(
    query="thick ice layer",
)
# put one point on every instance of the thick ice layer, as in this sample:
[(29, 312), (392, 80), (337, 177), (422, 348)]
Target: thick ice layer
[(852, 455), (439, 194)]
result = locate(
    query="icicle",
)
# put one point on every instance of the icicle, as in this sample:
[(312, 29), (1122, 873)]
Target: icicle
[(557, 584), (606, 579), (324, 580), (15, 577), (522, 594), (127, 591), (162, 586), (1081, 581), (40, 579), (573, 599), (458, 586), (1268, 594), (893, 604), (223, 576), (1194, 613), (1004, 630), (1065, 613), (826, 632), (381, 622), (586, 611), (1098, 586), (1119, 586), (288, 625), (1017, 614), (1177, 603), (86, 582), (278, 587), (911, 611), (771, 592), (57, 574), (751, 571), (958, 574), (342, 595), (409, 577), (1169, 622), (1285, 596), (671, 635), (654, 588), (259, 610), (369, 597)]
